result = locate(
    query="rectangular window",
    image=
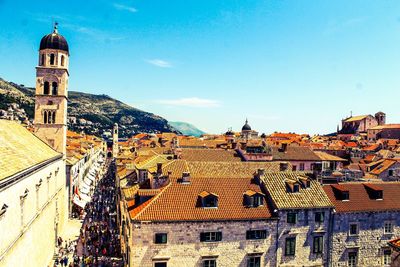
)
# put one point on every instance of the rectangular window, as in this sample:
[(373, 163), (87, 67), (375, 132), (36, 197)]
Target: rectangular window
[(209, 263), (318, 244), (256, 234), (301, 167), (352, 259), (160, 264), (210, 236), (258, 201), (353, 229), (388, 228), (290, 246), (254, 261), (160, 238), (319, 217), (387, 257), (291, 217)]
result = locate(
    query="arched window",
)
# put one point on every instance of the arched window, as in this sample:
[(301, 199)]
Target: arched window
[(54, 88), (53, 117), (45, 116), (62, 60), (46, 89), (52, 58), (42, 60)]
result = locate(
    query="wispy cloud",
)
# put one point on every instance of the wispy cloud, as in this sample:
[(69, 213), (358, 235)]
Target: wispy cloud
[(125, 8), (335, 26), (191, 102), (159, 63)]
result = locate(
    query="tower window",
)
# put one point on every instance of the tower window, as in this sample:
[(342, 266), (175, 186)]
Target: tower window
[(46, 88), (45, 117), (54, 88), (62, 60), (42, 60), (52, 59)]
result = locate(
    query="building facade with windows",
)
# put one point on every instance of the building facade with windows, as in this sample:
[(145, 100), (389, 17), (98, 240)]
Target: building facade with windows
[(200, 221), (366, 218), (304, 212)]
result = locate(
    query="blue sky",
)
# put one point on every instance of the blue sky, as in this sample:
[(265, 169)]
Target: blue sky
[(297, 66)]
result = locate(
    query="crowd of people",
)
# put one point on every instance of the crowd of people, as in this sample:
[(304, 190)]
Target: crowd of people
[(98, 243)]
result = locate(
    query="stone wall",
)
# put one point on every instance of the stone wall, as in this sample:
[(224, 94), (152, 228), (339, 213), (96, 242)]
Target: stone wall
[(304, 230), (185, 249), (28, 231), (370, 241)]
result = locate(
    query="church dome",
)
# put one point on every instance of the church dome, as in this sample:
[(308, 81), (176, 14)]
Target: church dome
[(54, 41), (246, 127)]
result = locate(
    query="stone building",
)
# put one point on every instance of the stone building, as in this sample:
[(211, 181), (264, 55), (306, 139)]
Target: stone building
[(218, 222), (303, 211), (355, 125), (385, 131), (51, 97), (366, 218), (33, 202)]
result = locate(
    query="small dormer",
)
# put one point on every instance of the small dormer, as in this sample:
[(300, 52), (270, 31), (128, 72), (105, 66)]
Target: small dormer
[(374, 191), (208, 200), (292, 186), (305, 181), (341, 193), (253, 199)]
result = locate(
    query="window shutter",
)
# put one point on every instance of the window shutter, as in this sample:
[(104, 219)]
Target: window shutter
[(202, 237), (219, 236)]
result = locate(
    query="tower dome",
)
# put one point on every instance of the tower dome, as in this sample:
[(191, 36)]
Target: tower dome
[(246, 126), (54, 41)]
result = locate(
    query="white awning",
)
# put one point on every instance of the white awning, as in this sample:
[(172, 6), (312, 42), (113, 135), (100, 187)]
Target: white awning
[(79, 201), (87, 181), (91, 177), (85, 197), (84, 188)]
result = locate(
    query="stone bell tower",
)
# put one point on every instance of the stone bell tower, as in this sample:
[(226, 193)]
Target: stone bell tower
[(115, 141), (50, 122)]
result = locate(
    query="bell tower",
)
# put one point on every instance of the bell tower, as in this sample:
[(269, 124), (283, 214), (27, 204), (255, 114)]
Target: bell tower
[(51, 96), (115, 141)]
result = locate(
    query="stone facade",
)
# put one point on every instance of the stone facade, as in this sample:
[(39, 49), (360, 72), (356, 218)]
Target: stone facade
[(304, 231), (369, 243), (36, 213), (184, 248)]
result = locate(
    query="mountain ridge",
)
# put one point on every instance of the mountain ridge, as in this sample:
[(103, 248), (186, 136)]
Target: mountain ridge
[(90, 113)]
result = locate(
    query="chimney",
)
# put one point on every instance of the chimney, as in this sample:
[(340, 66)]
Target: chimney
[(159, 168), (260, 172), (186, 177), (283, 166)]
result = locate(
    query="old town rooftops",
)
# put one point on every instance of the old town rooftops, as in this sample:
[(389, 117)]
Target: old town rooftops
[(20, 149), (300, 153), (356, 118), (219, 169), (209, 155), (363, 197), (182, 201), (284, 195)]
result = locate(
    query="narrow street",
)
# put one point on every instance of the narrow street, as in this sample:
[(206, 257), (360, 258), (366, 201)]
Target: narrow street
[(98, 244)]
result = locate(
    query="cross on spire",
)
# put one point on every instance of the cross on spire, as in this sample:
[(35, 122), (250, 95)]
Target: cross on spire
[(55, 27)]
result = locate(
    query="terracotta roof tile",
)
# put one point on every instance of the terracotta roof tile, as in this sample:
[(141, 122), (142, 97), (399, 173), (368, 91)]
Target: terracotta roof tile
[(209, 155), (359, 199), (179, 202)]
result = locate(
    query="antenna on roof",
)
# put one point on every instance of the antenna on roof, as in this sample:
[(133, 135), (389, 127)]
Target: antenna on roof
[(351, 113)]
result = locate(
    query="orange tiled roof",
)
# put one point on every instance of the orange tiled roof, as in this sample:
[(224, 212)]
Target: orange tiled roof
[(169, 205), (209, 155), (359, 199)]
